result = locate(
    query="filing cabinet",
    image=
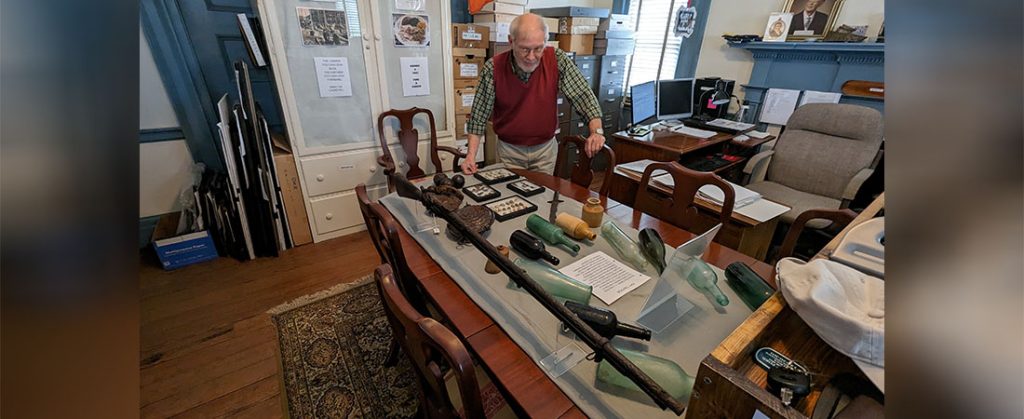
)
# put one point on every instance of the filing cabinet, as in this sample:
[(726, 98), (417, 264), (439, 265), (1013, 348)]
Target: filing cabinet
[(589, 65)]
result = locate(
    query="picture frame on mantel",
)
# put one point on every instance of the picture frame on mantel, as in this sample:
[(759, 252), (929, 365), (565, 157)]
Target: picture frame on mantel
[(815, 24)]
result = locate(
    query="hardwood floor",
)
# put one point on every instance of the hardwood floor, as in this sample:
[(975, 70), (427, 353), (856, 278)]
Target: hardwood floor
[(208, 348)]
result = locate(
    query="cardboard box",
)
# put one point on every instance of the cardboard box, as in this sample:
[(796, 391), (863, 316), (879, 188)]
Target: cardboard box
[(552, 23), (493, 18), (519, 2), (503, 7), (464, 83), (470, 52), (179, 251), (464, 99), (572, 11), (616, 23), (467, 35), (294, 204), (460, 125), (500, 47), (614, 46), (578, 25), (499, 31), (467, 68), (580, 44), (552, 44)]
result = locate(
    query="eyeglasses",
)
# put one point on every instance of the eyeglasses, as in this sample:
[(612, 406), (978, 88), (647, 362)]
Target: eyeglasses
[(525, 51)]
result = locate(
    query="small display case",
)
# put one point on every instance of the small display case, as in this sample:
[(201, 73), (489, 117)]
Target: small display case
[(481, 192), (525, 187), (511, 207), (491, 177)]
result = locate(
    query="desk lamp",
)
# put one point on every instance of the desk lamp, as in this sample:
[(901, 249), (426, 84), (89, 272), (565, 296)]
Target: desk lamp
[(718, 98)]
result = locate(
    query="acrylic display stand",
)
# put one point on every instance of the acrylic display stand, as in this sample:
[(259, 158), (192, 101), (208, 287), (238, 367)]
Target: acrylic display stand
[(665, 305)]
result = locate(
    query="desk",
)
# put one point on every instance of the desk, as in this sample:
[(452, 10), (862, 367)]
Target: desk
[(525, 386), (747, 235), (666, 145)]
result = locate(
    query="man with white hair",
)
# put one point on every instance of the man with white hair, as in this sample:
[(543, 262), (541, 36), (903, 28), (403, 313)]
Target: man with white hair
[(518, 92)]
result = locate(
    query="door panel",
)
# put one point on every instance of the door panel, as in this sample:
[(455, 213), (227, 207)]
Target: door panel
[(213, 30)]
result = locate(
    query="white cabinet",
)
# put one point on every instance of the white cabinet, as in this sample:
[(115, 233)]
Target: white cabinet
[(335, 138)]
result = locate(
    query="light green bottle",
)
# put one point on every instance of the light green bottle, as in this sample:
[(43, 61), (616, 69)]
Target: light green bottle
[(700, 276), (555, 282), (627, 248), (669, 375), (550, 233)]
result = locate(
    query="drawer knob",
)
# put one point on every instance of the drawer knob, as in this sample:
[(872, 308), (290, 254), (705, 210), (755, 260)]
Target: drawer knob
[(319, 178), (373, 169), (329, 216)]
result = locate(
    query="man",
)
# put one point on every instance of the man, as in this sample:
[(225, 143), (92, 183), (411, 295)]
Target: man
[(810, 19), (518, 92)]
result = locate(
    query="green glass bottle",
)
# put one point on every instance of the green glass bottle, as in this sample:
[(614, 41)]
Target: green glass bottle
[(555, 282), (627, 248), (669, 375), (550, 233), (700, 276)]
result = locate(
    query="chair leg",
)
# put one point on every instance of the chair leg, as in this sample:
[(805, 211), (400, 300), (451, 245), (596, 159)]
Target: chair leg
[(393, 353)]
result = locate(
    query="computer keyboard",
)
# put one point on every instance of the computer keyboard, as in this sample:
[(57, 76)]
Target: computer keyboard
[(694, 132)]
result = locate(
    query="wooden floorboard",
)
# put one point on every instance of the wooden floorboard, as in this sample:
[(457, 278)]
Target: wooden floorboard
[(208, 348)]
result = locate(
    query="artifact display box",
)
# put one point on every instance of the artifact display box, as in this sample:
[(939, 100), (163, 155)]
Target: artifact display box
[(491, 177), (481, 192), (511, 207), (525, 188)]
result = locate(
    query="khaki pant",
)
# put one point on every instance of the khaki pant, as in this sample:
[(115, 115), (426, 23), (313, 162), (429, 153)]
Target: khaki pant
[(538, 158)]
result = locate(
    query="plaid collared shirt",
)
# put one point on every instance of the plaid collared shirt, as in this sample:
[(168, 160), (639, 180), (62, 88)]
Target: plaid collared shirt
[(570, 82)]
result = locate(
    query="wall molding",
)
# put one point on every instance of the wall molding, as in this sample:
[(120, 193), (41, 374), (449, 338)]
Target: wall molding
[(156, 135)]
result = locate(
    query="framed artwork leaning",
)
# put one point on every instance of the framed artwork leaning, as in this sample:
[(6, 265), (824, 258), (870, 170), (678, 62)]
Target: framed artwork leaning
[(812, 19)]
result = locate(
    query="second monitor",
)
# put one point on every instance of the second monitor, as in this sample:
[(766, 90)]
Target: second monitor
[(675, 99)]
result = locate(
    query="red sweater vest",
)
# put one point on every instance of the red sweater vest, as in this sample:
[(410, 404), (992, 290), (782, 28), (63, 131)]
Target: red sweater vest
[(525, 114)]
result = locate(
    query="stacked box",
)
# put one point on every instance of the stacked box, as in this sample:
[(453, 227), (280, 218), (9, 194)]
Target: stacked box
[(510, 7), (470, 36), (616, 23), (468, 60), (482, 18), (499, 47), (579, 44), (499, 31), (552, 23), (578, 25), (614, 46)]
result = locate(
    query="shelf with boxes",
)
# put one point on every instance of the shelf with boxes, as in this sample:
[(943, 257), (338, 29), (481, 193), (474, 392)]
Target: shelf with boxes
[(468, 57)]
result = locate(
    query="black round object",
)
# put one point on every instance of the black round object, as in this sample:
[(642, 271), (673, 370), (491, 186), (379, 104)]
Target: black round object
[(458, 181), (442, 179)]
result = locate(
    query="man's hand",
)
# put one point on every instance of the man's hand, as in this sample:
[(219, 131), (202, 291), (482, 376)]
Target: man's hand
[(594, 143), (469, 165)]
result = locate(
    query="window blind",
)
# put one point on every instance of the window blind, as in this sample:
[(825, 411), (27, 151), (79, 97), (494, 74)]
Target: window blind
[(651, 18)]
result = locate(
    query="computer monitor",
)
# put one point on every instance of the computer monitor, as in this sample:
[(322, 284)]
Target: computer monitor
[(675, 99), (644, 99)]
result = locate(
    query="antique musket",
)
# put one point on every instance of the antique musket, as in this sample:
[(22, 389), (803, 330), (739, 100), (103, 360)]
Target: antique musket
[(601, 346)]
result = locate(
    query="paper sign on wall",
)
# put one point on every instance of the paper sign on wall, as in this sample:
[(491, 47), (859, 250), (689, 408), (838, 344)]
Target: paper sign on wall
[(333, 77), (415, 76), (414, 5)]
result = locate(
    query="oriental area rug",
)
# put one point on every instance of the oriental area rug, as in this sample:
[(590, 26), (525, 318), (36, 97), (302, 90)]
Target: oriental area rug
[(333, 345)]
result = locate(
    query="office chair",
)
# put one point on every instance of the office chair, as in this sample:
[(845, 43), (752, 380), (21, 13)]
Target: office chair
[(679, 208), (583, 171), (408, 139), (820, 161)]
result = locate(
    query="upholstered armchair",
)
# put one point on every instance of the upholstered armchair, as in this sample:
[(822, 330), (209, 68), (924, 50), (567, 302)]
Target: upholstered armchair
[(820, 161)]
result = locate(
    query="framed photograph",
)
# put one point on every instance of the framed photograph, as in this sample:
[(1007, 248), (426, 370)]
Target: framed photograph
[(525, 187), (778, 27), (491, 177), (812, 19), (411, 30), (511, 207), (322, 26), (481, 192)]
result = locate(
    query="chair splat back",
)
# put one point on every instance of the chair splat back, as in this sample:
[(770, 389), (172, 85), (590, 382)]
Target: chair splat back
[(373, 224), (840, 218), (430, 346), (679, 209), (583, 172), (408, 139), (391, 247)]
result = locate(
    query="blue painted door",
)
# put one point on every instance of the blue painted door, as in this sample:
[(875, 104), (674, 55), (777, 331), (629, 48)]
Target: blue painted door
[(213, 31)]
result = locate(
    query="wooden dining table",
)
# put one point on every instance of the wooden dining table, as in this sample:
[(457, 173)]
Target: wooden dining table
[(527, 389)]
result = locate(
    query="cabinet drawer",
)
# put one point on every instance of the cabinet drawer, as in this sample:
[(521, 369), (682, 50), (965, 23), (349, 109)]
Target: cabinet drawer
[(610, 106), (613, 62), (341, 172), (579, 128), (341, 211), (609, 93), (563, 129)]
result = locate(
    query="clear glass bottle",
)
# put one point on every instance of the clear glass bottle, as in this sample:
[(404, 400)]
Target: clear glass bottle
[(669, 375), (699, 274), (555, 282), (627, 248)]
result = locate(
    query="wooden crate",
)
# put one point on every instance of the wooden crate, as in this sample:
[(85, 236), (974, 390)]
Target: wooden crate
[(729, 384)]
